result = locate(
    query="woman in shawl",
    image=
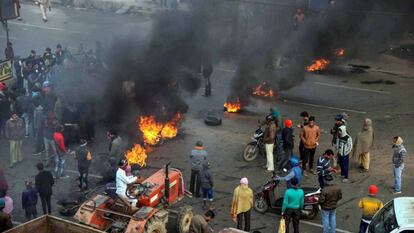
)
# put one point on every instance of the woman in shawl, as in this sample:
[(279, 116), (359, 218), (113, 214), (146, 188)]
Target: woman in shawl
[(242, 204), (363, 144)]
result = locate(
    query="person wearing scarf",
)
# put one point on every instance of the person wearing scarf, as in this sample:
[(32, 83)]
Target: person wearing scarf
[(242, 204), (363, 144)]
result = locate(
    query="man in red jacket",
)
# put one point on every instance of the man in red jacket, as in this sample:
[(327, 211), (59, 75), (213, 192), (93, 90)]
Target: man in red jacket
[(61, 152)]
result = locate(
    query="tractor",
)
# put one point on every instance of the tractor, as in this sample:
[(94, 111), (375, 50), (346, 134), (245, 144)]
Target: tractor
[(155, 196)]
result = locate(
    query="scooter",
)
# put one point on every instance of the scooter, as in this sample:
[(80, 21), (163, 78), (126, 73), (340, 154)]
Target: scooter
[(266, 199), (256, 146)]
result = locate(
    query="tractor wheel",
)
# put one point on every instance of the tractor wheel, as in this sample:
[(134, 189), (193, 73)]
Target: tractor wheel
[(155, 226), (184, 219)]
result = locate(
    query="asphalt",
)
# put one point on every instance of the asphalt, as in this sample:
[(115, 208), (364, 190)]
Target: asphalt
[(323, 95)]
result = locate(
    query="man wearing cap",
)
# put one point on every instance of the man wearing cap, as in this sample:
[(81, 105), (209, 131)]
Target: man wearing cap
[(242, 204), (398, 162), (197, 158), (310, 137), (122, 182), (330, 195), (370, 206), (287, 137), (5, 219)]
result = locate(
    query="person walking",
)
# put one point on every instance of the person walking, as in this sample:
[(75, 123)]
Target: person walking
[(43, 183), (5, 219), (43, 4), (197, 158), (242, 204), (398, 162), (49, 126), (363, 144), (343, 149), (14, 131), (330, 195), (310, 137), (323, 166), (29, 201), (207, 184), (288, 142), (62, 152), (84, 157), (269, 140), (370, 206), (305, 122), (293, 201)]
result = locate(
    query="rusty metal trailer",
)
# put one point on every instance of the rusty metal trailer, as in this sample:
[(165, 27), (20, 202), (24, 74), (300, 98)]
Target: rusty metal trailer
[(51, 224)]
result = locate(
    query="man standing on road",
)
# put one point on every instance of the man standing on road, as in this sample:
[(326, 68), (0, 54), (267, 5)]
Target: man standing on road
[(310, 137), (197, 158), (305, 119), (293, 202), (242, 204), (328, 201), (287, 137), (44, 182), (43, 4), (14, 131), (29, 201), (62, 152), (339, 121), (363, 144), (84, 157), (323, 167), (343, 149), (116, 145), (370, 206), (398, 161), (269, 140)]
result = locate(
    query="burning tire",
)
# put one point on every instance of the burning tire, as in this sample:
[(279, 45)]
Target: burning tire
[(184, 219), (212, 120), (250, 153), (155, 226), (260, 204)]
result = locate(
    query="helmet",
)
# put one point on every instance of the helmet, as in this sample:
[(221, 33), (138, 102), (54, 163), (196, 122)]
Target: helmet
[(294, 161), (288, 123), (372, 190)]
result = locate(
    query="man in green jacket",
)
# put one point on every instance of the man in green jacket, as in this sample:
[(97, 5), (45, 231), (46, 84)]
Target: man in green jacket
[(293, 201)]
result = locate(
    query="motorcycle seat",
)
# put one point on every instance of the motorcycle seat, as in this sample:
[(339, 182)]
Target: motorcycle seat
[(309, 190)]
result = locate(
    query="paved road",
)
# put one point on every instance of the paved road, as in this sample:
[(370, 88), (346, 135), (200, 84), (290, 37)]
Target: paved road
[(324, 96)]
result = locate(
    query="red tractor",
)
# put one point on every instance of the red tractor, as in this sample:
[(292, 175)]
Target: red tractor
[(155, 195)]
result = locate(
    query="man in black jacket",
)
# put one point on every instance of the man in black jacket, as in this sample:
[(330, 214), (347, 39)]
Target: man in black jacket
[(287, 137), (44, 182), (84, 157)]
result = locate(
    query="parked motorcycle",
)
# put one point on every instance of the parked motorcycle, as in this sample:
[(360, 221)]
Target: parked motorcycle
[(256, 146), (266, 199)]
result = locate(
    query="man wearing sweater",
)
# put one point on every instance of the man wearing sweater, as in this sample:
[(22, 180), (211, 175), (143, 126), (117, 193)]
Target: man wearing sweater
[(310, 137), (330, 195), (293, 201)]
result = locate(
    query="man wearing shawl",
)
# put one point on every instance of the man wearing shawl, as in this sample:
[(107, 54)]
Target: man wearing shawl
[(363, 144)]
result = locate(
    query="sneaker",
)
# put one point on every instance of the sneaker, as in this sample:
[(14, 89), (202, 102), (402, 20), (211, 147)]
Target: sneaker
[(11, 165), (65, 177), (397, 192), (345, 180), (37, 154)]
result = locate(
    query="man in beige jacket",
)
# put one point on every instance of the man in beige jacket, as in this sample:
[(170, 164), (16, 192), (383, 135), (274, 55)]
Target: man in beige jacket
[(310, 137)]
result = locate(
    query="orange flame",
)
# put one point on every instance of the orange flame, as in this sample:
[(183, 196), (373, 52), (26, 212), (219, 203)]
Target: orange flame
[(154, 131), (233, 106), (136, 155), (340, 52), (258, 91), (318, 65)]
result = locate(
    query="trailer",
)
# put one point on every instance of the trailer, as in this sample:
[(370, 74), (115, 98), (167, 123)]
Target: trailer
[(51, 224)]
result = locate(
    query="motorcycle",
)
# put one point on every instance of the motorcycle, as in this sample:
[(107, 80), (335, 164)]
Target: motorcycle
[(266, 199), (256, 146)]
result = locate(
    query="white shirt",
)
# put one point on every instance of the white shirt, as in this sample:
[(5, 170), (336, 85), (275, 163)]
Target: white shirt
[(122, 180)]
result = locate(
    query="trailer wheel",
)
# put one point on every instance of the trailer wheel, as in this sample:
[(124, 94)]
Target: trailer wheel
[(184, 219), (155, 226)]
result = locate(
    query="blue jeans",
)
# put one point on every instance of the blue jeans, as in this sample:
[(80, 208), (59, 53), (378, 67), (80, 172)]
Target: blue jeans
[(397, 177), (208, 194), (329, 221), (59, 165)]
